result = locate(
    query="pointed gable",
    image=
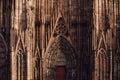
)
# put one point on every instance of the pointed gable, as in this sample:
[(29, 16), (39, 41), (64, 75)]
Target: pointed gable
[(60, 27), (37, 52), (102, 42), (60, 47), (20, 44)]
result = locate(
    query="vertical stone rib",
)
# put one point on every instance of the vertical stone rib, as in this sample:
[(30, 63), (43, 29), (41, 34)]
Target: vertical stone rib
[(43, 35), (13, 14), (97, 24), (22, 67), (13, 55), (43, 27), (18, 66), (30, 37), (16, 15), (1, 13), (96, 15), (13, 65)]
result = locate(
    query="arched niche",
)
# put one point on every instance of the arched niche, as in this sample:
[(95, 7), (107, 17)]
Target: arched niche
[(3, 58), (21, 65), (20, 60), (101, 65), (3, 51), (37, 65), (37, 69)]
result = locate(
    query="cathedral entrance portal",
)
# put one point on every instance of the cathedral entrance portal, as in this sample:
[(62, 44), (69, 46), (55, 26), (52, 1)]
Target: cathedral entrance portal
[(60, 61), (60, 58)]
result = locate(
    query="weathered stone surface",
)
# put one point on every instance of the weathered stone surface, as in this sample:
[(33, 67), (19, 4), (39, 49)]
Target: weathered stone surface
[(38, 36)]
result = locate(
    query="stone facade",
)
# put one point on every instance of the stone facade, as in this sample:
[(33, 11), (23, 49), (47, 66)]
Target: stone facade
[(38, 36)]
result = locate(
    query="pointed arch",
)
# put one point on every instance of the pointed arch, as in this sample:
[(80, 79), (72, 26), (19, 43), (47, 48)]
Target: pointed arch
[(101, 51), (37, 64), (101, 63), (60, 53), (102, 42), (20, 44), (61, 45), (37, 52), (21, 60)]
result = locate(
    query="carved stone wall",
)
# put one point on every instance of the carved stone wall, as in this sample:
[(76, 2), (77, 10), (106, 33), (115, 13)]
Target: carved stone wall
[(82, 35)]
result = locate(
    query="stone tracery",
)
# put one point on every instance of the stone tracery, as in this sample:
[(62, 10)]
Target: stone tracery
[(61, 28)]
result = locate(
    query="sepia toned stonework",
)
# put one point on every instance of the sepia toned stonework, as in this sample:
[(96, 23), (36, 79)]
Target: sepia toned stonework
[(59, 39)]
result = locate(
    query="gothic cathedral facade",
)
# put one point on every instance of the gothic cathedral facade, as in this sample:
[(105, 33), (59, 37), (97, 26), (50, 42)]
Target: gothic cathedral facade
[(59, 39)]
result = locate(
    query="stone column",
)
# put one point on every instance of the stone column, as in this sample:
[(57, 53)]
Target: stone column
[(98, 23), (29, 66), (13, 65), (13, 33), (30, 37), (43, 37)]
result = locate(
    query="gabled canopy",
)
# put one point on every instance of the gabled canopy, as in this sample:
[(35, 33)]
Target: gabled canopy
[(20, 45), (60, 47)]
